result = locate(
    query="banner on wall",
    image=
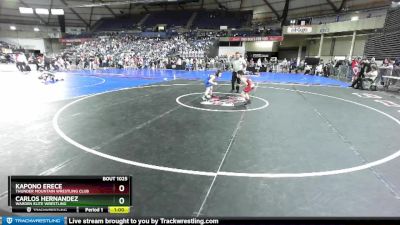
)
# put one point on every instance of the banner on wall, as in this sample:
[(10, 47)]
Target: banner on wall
[(260, 55), (299, 30), (75, 40), (6, 50), (229, 51), (267, 38)]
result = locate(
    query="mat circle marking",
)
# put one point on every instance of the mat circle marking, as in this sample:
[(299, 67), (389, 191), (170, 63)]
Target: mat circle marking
[(226, 173)]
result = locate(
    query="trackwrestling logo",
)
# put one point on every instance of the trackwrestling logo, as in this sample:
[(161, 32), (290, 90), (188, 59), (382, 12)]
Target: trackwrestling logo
[(227, 101), (53, 220)]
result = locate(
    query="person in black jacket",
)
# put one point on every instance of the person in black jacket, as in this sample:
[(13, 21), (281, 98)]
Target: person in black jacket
[(365, 68)]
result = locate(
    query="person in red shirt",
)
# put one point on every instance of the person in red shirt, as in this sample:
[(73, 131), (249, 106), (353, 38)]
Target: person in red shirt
[(249, 86), (355, 62), (355, 66)]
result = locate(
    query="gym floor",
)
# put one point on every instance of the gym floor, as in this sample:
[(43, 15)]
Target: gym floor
[(306, 146)]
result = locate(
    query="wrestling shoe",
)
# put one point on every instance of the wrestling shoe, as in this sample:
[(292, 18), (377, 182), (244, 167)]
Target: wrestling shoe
[(214, 97), (248, 102)]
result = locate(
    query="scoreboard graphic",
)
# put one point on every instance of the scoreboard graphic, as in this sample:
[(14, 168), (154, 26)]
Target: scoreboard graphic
[(74, 194)]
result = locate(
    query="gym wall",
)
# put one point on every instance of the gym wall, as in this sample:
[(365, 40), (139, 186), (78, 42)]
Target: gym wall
[(338, 46), (27, 43)]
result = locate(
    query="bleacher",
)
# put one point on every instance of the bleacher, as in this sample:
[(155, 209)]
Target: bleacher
[(82, 35), (171, 18), (117, 24), (215, 19), (392, 20), (201, 20), (255, 32), (386, 44), (6, 45), (244, 33)]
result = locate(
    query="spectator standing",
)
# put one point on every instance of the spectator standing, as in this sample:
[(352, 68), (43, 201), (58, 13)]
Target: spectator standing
[(319, 69), (355, 68), (21, 61)]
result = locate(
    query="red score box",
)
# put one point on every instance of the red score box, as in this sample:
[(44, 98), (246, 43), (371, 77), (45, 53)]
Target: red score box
[(58, 186)]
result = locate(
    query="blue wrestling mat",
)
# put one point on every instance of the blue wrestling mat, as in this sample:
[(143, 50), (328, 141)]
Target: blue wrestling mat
[(86, 82), (122, 78)]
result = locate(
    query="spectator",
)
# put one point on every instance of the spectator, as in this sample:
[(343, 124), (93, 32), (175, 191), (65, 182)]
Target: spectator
[(22, 61), (138, 52), (307, 69), (373, 74), (319, 69)]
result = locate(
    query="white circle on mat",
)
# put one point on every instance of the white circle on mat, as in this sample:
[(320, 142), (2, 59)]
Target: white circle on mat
[(178, 100), (226, 173)]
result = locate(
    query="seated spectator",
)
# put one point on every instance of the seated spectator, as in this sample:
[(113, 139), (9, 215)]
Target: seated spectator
[(371, 76), (307, 69), (138, 52), (319, 70)]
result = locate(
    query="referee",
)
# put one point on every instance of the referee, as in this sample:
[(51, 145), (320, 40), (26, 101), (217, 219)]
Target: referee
[(238, 64)]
